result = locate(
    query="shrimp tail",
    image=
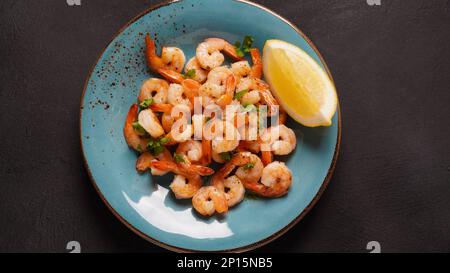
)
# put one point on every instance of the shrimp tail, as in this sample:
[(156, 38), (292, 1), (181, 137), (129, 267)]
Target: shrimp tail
[(230, 50), (164, 165), (153, 60), (257, 63), (266, 157), (171, 75), (200, 170), (206, 150), (191, 88), (161, 107), (131, 137), (227, 98)]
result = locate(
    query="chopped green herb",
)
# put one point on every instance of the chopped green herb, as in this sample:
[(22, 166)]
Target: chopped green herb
[(139, 148), (146, 103), (249, 166), (179, 158), (208, 119), (225, 156), (190, 74), (138, 128), (237, 46), (249, 108), (156, 146), (240, 94), (247, 43), (245, 47), (164, 140), (157, 150)]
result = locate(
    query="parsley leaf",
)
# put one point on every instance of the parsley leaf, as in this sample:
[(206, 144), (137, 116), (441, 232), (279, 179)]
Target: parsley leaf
[(249, 108), (225, 156), (138, 128), (146, 103), (240, 94), (249, 166), (247, 43), (156, 146), (164, 140), (179, 158), (237, 47), (245, 47), (190, 74)]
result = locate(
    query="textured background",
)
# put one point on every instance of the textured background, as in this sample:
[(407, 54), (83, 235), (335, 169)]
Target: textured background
[(391, 67)]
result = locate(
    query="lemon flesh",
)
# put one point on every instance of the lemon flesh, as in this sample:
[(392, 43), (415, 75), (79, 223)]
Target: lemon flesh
[(299, 84)]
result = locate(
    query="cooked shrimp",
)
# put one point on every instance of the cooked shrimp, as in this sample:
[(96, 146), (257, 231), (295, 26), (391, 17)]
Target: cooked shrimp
[(242, 69), (208, 200), (154, 88), (131, 136), (252, 96), (276, 180), (225, 137), (185, 188), (251, 171), (177, 96), (171, 75), (232, 186), (215, 85), (187, 169), (227, 98), (192, 149), (171, 57), (200, 73), (279, 139), (144, 161), (209, 54), (149, 121), (234, 190), (257, 63)]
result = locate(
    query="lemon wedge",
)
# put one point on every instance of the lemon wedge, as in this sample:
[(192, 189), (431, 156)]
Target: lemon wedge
[(299, 84)]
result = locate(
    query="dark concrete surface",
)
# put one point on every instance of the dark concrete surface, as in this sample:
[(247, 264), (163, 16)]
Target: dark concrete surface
[(391, 184)]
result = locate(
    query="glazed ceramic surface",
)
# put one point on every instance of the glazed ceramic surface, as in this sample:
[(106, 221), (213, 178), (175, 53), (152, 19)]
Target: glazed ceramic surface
[(145, 203)]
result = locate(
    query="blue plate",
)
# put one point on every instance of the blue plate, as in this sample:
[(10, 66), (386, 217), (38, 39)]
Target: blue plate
[(144, 203)]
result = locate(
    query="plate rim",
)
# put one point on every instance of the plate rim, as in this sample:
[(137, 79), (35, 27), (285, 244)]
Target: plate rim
[(248, 247)]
